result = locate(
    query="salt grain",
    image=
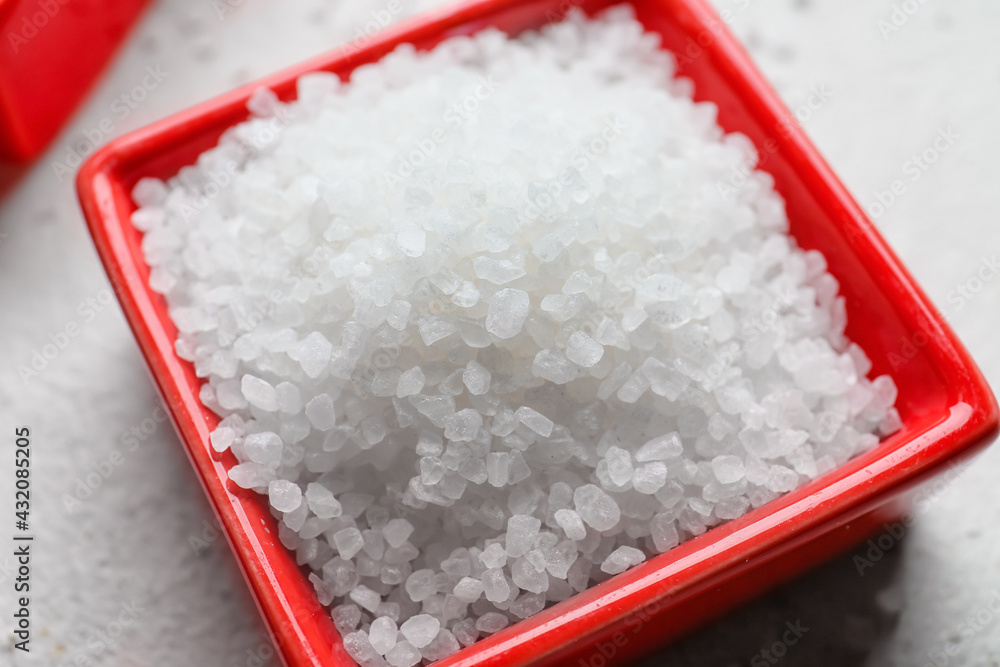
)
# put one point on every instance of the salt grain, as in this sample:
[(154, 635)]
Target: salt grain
[(622, 559), (285, 496), (420, 630)]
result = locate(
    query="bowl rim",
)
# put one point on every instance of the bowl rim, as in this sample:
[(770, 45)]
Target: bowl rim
[(971, 417)]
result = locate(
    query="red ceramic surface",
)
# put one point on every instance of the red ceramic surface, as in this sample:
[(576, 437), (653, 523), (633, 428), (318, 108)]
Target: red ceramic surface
[(947, 409), (51, 53)]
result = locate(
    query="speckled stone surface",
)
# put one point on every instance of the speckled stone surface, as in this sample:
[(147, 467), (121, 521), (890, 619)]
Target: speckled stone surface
[(127, 577)]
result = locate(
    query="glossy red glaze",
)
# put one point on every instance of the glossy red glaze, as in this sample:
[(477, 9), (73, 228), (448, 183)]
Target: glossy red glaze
[(946, 406), (51, 53)]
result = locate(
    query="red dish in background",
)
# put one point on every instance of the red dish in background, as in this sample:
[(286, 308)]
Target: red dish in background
[(947, 409), (51, 53)]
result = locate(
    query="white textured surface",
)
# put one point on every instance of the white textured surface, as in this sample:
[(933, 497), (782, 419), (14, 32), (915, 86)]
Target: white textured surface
[(131, 539)]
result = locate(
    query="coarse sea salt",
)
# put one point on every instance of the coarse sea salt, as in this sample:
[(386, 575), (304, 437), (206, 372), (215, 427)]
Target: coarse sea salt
[(521, 342)]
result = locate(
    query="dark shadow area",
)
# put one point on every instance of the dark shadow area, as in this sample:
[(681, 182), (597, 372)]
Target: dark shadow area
[(832, 617), (10, 175)]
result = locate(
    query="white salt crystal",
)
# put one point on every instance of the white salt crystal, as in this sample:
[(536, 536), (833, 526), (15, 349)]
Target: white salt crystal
[(412, 241), (608, 333), (443, 645), (250, 475), (466, 296), (403, 654), (664, 532), (507, 312), (313, 353), (149, 192), (373, 429), (526, 577), (357, 646), (614, 381), (263, 448), (285, 496), (382, 634), (476, 378), (649, 477), (433, 328), (583, 350), (411, 382), (660, 448), (346, 617), (259, 393), (222, 438), (420, 630), (348, 542), (421, 585), (782, 479), (429, 444), (571, 523), (468, 589), (552, 365), (597, 509), (288, 397), (491, 622), (498, 468), (322, 502), (619, 465), (497, 271), (521, 533), (493, 556), (463, 425), (660, 287), (365, 597), (633, 388), (534, 420), (561, 307), (577, 283), (728, 469), (446, 280), (632, 319), (622, 559), (398, 314), (495, 585), (321, 412), (397, 531), (465, 632)]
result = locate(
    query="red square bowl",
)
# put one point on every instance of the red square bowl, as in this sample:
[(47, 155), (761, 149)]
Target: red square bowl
[(946, 406)]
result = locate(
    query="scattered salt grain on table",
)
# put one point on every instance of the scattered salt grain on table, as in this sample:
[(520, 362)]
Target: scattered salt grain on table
[(486, 330)]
